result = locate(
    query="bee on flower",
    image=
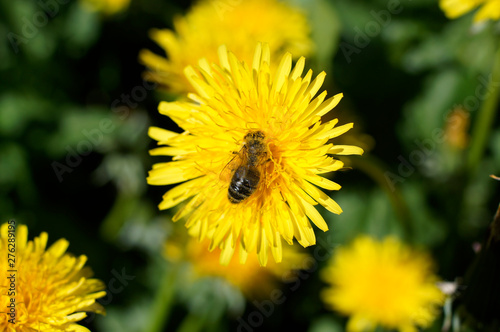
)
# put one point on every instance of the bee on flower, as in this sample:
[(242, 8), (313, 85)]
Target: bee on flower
[(251, 156)]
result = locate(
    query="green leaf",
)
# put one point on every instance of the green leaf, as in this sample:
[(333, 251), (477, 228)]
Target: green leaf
[(17, 111), (325, 26), (368, 212), (80, 30), (326, 324)]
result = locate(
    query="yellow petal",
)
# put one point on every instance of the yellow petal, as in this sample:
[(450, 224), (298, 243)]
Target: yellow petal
[(322, 182), (21, 236), (181, 192), (337, 131), (346, 150), (160, 134), (262, 248), (329, 104), (282, 72), (298, 69), (314, 215)]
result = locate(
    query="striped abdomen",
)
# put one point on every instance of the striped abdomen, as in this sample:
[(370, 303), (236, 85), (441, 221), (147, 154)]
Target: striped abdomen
[(243, 183)]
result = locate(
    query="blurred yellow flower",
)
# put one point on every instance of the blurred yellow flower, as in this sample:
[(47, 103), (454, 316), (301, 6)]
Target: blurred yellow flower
[(107, 7), (382, 283), (271, 123), (53, 289), (237, 24), (490, 9), (252, 279)]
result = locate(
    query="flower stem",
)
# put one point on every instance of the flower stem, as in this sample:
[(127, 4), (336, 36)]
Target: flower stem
[(485, 118), (204, 321), (123, 207), (164, 298), (191, 323), (374, 168)]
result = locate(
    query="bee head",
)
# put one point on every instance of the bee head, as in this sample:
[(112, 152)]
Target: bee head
[(254, 135)]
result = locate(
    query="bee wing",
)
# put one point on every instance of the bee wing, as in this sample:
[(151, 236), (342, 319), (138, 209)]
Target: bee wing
[(231, 166)]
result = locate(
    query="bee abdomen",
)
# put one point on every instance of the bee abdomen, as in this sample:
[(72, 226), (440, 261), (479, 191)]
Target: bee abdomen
[(243, 184)]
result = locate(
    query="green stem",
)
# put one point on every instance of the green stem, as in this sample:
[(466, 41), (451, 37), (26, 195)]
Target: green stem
[(485, 118), (208, 320), (123, 207), (374, 168), (192, 323), (163, 301)]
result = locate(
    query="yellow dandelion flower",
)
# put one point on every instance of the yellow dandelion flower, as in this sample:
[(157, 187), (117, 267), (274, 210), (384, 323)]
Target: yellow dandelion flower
[(53, 289), (107, 7), (259, 133), (238, 25), (490, 9), (252, 279), (382, 283)]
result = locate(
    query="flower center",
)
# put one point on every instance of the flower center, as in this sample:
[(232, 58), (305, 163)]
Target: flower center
[(274, 167)]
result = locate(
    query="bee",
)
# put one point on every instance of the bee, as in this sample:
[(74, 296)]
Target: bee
[(246, 175)]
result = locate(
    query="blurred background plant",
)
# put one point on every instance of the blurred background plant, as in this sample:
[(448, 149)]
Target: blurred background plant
[(74, 113)]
